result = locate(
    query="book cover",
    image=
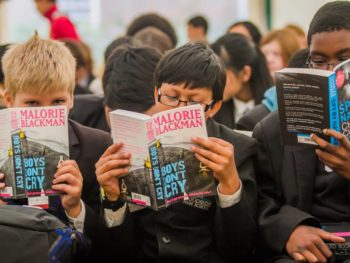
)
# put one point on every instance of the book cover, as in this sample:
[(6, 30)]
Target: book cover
[(163, 168), (33, 141), (311, 100)]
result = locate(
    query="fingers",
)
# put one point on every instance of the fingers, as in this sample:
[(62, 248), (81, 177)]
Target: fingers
[(298, 257), (112, 174), (2, 176), (323, 144), (339, 136), (112, 165), (310, 257), (214, 145), (67, 178), (112, 149), (330, 237)]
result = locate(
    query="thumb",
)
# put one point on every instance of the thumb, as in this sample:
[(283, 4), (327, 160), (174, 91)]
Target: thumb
[(330, 237)]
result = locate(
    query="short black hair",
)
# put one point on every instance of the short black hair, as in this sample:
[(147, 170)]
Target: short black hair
[(199, 21), (252, 29), (154, 20), (116, 43), (3, 49), (333, 16), (128, 78), (153, 37), (299, 59), (238, 51), (195, 65)]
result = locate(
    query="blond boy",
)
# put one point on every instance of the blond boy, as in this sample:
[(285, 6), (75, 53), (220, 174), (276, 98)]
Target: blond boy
[(42, 73)]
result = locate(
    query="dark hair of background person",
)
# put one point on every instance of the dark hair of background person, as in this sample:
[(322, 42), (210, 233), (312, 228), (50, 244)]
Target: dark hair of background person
[(333, 16), (238, 51), (76, 50), (251, 118), (116, 43), (154, 20), (199, 21), (128, 78), (299, 59), (194, 65), (153, 37), (3, 49), (252, 29)]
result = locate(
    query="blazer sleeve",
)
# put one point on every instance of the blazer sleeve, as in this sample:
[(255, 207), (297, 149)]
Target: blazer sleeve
[(276, 219), (235, 226)]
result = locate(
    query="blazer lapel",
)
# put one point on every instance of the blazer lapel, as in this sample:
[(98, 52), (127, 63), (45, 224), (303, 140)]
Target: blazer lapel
[(74, 149), (305, 166)]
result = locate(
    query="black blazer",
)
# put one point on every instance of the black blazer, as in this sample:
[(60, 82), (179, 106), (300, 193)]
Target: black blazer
[(225, 115), (88, 110), (86, 145), (252, 117), (183, 233), (285, 186)]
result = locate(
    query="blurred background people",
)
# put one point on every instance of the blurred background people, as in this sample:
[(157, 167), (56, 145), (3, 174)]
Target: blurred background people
[(278, 47), (197, 29), (60, 25), (247, 77), (247, 29)]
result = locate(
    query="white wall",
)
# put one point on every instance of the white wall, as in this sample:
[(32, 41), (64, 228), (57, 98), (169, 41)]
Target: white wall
[(3, 21), (298, 12)]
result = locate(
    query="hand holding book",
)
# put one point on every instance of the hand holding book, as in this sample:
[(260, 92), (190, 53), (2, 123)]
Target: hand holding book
[(110, 167), (218, 156), (336, 157), (69, 181)]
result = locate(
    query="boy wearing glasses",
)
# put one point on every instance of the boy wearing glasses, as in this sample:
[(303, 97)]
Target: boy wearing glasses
[(302, 188), (223, 228)]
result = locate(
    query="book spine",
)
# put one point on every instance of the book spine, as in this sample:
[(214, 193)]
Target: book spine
[(334, 121), (157, 177), (18, 167)]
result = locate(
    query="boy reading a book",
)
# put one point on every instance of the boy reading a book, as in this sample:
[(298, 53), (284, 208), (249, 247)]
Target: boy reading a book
[(222, 228), (302, 188), (42, 73)]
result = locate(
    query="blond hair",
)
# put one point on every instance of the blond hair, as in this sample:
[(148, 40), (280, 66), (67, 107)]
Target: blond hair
[(39, 66), (288, 41)]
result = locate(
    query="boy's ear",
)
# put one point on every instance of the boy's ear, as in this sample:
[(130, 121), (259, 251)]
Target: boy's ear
[(247, 73), (214, 109), (155, 95), (8, 99)]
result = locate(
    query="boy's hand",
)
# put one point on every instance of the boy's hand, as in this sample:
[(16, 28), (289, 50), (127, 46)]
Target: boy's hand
[(69, 181), (111, 165), (218, 156), (336, 157), (2, 186), (306, 244)]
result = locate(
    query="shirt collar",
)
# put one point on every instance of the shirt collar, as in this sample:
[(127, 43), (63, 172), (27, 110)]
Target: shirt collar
[(52, 10)]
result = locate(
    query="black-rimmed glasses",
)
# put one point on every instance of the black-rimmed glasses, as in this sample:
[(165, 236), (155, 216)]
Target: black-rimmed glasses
[(321, 63), (174, 102)]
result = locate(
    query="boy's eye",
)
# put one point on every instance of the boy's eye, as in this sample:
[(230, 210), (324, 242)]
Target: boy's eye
[(58, 102), (32, 103)]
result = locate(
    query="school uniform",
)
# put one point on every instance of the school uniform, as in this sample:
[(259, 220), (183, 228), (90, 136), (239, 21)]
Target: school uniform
[(199, 230), (294, 188)]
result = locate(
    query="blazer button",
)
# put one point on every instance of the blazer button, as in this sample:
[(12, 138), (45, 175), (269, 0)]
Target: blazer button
[(166, 239)]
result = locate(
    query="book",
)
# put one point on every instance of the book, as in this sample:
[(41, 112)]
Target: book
[(163, 168), (310, 100), (33, 142)]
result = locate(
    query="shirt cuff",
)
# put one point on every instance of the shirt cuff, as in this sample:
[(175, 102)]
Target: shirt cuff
[(229, 200), (78, 222), (114, 218)]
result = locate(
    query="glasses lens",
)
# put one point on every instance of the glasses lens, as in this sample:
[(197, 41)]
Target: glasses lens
[(169, 101)]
